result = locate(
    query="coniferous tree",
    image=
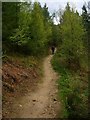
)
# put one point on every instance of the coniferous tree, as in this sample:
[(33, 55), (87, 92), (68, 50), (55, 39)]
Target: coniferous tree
[(72, 35), (86, 21), (10, 18)]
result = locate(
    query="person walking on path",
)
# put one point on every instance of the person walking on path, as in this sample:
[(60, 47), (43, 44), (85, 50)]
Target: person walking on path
[(53, 49)]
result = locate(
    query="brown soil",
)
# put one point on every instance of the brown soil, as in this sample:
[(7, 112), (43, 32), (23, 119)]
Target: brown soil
[(39, 100)]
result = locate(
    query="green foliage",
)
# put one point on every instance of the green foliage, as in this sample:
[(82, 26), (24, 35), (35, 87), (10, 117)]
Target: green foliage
[(86, 22), (21, 36), (56, 37), (73, 90), (72, 35), (10, 12), (47, 24), (30, 31), (69, 61), (37, 27)]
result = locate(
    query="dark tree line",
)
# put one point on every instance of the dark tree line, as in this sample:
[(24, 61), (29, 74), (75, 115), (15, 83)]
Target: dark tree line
[(27, 27), (86, 22)]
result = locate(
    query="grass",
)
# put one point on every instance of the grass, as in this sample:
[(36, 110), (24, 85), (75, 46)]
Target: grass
[(72, 90)]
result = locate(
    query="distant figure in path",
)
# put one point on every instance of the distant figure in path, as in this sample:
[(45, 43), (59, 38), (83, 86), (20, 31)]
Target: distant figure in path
[(53, 49)]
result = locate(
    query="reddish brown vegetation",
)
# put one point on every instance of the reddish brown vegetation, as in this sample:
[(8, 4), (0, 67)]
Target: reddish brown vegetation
[(17, 80)]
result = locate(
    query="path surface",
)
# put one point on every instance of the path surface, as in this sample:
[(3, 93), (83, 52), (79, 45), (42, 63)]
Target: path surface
[(43, 102)]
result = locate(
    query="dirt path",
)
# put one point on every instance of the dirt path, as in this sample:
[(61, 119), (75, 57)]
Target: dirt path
[(41, 103)]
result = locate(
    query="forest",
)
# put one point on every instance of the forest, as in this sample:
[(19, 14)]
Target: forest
[(28, 33)]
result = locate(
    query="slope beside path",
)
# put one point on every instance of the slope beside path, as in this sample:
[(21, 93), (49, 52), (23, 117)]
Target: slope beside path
[(43, 102)]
